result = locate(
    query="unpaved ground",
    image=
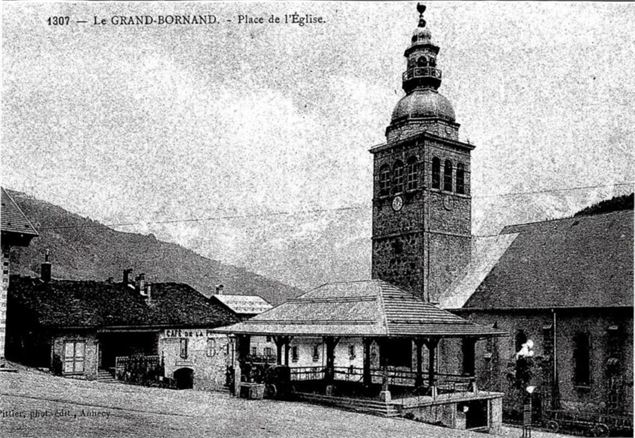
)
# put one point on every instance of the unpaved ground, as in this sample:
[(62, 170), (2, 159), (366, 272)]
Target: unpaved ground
[(39, 405)]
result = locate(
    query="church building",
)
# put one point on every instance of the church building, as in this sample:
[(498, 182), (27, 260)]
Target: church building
[(374, 345)]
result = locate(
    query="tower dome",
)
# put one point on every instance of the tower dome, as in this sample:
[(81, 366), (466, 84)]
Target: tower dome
[(422, 103)]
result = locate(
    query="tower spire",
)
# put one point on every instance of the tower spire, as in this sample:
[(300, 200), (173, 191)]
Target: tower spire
[(423, 107), (421, 9), (422, 54)]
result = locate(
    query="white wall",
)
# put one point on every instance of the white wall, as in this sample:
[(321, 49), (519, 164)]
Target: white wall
[(207, 355)]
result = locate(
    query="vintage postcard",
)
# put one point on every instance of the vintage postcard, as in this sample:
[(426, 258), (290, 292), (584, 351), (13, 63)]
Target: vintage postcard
[(346, 219)]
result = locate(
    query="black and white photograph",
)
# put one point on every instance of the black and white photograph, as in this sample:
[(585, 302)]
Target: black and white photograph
[(317, 219)]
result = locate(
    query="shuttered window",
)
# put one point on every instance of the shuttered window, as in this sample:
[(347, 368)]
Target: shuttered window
[(74, 357)]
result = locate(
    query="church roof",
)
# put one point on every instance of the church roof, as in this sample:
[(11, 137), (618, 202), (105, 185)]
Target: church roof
[(13, 219), (487, 253), (359, 308), (584, 261)]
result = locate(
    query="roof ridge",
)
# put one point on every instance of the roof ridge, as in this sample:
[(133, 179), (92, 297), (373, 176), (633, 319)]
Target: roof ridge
[(381, 307), (585, 217)]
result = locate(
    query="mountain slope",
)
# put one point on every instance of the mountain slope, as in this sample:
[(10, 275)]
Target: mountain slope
[(83, 249)]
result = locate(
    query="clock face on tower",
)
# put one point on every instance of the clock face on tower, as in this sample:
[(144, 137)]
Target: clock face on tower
[(397, 203), (447, 203)]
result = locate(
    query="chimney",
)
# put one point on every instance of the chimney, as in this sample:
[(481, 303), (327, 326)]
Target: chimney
[(126, 276), (140, 283), (147, 293), (219, 289), (45, 272)]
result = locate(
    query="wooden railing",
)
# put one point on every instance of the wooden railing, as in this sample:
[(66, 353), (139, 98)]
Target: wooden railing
[(445, 382), (420, 72), (307, 373)]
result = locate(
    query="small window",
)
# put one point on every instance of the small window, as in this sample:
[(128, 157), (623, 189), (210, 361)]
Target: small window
[(294, 354), (460, 178), (211, 347), (447, 176), (74, 353), (436, 173), (582, 357), (412, 173), (268, 351), (183, 352), (254, 351), (351, 352), (397, 177), (316, 353), (384, 180), (422, 61), (268, 338), (433, 62)]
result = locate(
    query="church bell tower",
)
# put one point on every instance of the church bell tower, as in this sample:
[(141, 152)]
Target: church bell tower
[(421, 195)]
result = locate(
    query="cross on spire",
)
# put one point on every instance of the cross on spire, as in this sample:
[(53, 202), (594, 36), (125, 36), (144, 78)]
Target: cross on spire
[(421, 9)]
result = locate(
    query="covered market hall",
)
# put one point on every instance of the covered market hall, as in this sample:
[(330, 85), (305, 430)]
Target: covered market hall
[(360, 345)]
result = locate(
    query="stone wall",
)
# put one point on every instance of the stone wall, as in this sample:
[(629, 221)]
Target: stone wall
[(208, 356), (425, 245), (91, 354), (611, 336)]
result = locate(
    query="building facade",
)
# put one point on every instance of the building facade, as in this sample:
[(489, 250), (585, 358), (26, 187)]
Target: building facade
[(137, 331), (16, 231), (566, 285), (422, 193)]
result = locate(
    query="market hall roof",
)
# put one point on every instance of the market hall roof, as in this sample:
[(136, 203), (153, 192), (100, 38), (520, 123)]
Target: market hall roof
[(16, 228), (100, 305), (359, 308), (243, 304), (578, 262)]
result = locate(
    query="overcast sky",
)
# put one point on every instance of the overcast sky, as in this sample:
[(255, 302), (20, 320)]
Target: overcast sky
[(151, 123)]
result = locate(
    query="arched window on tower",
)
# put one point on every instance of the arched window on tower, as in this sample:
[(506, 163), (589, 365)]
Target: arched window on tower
[(412, 171), (397, 177), (436, 173), (433, 62), (460, 178), (422, 61), (581, 357), (384, 180), (447, 176)]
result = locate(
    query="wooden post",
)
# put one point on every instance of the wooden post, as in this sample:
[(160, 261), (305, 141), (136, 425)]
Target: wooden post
[(431, 344), (287, 340), (367, 377), (279, 341), (419, 376), (329, 374)]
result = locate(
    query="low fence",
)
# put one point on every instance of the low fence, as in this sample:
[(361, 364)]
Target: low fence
[(139, 369), (444, 382)]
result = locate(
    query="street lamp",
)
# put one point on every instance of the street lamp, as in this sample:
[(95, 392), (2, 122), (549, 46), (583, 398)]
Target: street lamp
[(527, 413)]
